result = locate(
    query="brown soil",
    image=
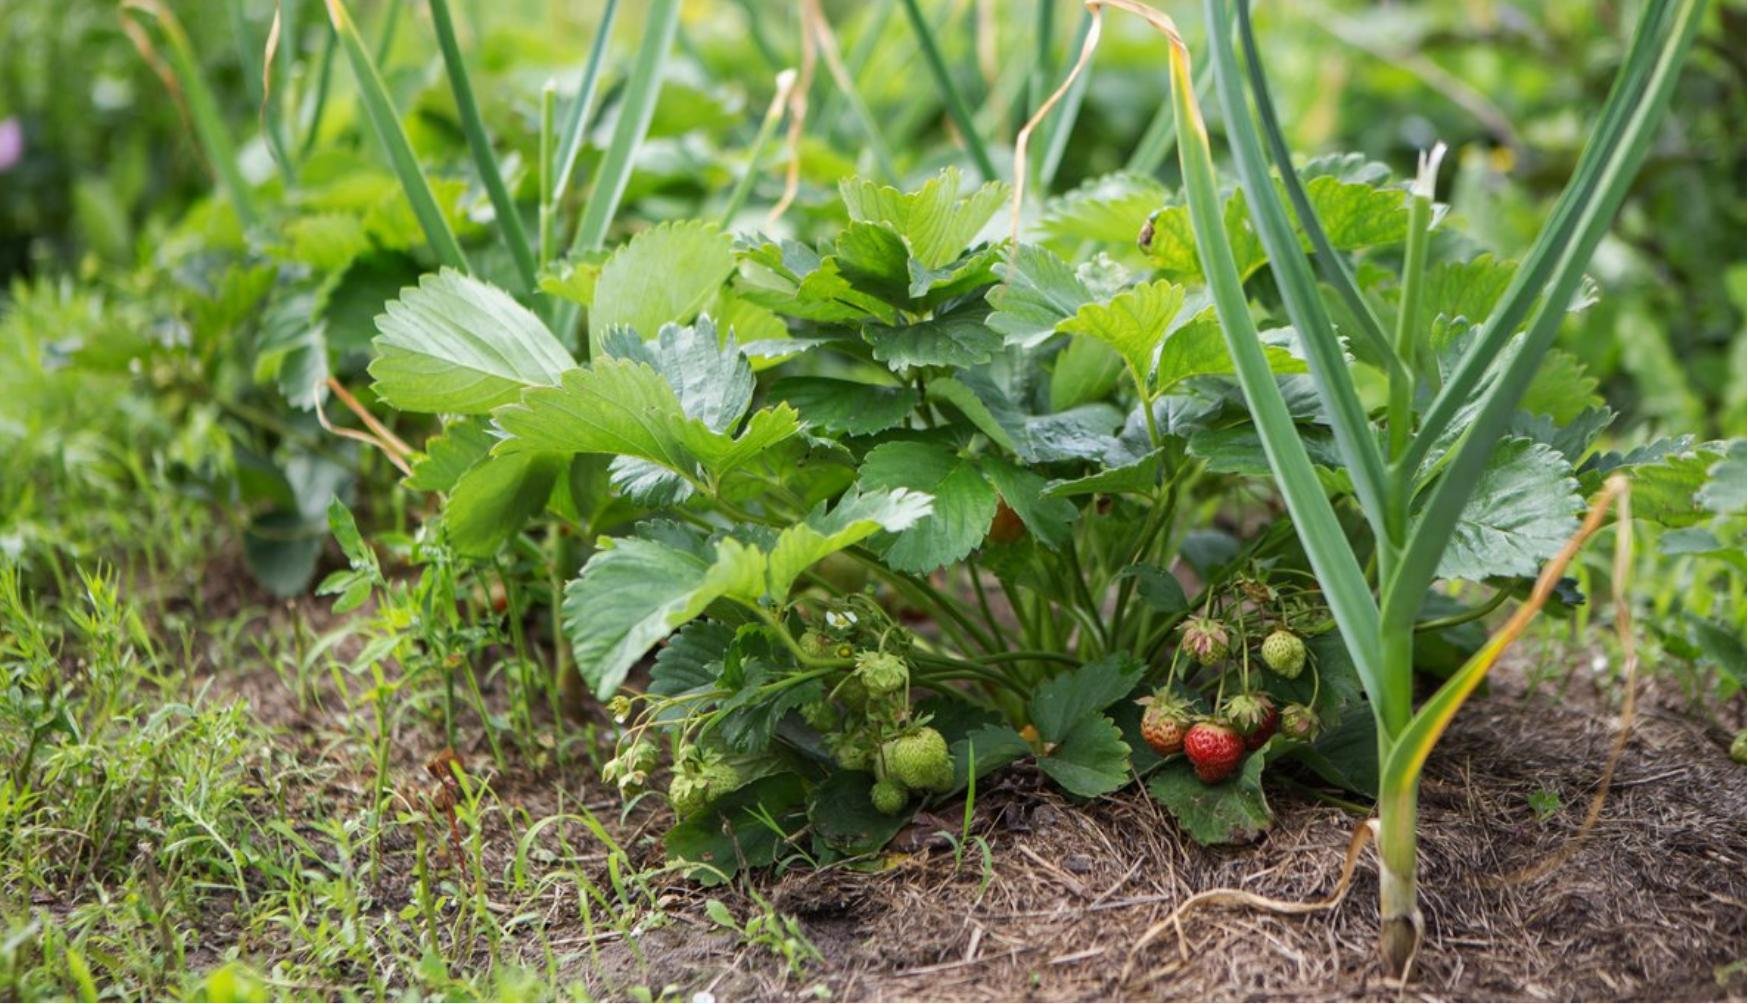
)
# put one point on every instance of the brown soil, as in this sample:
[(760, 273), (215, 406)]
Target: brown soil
[(1651, 906)]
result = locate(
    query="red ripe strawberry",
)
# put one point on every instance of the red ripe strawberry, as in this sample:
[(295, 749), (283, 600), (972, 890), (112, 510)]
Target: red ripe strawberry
[(1271, 720), (1006, 527), (1215, 749), (1164, 722)]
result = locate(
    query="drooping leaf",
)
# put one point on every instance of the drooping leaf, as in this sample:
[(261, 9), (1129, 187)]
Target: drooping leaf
[(844, 818), (1067, 699), (857, 516), (734, 832), (1157, 588), (691, 659), (1091, 759), (458, 345), (1050, 519), (1235, 811), (629, 596), (664, 274), (964, 502)]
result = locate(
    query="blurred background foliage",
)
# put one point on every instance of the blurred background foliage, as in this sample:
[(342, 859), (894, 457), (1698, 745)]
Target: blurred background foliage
[(97, 162)]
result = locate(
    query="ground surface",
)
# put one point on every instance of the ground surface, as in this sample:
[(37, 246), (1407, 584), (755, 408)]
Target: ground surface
[(1649, 906)]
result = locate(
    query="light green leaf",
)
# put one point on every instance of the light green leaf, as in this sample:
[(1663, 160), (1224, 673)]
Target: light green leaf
[(666, 273), (1109, 209), (1667, 476), (612, 406), (1170, 244), (935, 223), (490, 503), (1467, 289), (1133, 323), (1086, 370), (1726, 487), (857, 516), (722, 454), (449, 454), (1356, 215), (457, 345), (1197, 348), (1038, 291), (1561, 388), (874, 260), (1523, 509), (711, 378), (964, 502)]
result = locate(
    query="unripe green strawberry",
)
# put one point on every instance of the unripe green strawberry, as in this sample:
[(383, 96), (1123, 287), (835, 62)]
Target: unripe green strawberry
[(1214, 749), (1284, 652), (817, 645), (699, 779), (1205, 640), (881, 672), (851, 750), (919, 760), (888, 797), (821, 714), (1739, 747), (853, 693), (1164, 722), (1299, 722)]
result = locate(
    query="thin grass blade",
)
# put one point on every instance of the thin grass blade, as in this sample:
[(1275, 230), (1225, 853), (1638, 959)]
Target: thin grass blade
[(182, 74), (485, 161), (1333, 267), (956, 106), (578, 116)]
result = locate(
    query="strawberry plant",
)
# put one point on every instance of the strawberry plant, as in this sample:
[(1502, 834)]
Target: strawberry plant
[(916, 525)]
